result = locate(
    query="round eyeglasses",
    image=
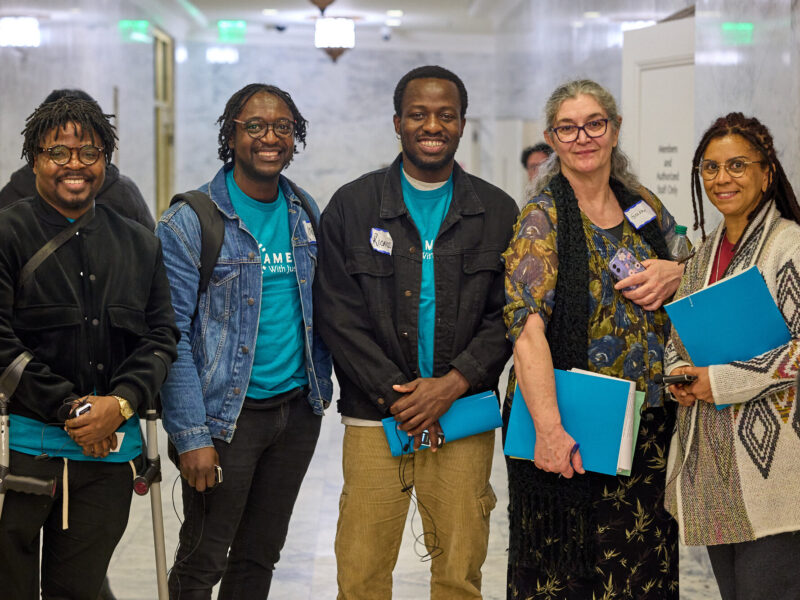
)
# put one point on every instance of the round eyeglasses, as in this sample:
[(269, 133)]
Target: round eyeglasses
[(62, 154), (735, 167), (258, 128), (569, 133)]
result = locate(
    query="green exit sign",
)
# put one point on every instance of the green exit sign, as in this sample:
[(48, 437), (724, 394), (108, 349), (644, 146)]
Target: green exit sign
[(231, 32), (135, 31), (737, 34)]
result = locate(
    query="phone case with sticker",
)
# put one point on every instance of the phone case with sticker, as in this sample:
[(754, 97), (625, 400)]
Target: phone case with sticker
[(624, 264)]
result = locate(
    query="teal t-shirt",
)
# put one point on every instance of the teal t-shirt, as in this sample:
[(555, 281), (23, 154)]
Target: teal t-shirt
[(34, 437), (427, 209), (279, 361)]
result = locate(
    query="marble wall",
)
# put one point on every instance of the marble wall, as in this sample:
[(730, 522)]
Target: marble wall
[(82, 48), (348, 105), (508, 75), (748, 59)]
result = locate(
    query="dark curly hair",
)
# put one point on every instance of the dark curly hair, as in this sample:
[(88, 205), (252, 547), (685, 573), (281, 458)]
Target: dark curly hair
[(540, 147), (83, 114), (234, 107), (760, 138), (428, 72)]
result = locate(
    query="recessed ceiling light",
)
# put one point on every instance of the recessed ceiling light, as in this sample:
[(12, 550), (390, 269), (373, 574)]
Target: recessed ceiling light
[(592, 14), (393, 22), (269, 12), (395, 14)]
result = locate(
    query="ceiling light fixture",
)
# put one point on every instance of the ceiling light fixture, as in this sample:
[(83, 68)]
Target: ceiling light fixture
[(333, 35), (20, 32), (394, 14), (269, 12)]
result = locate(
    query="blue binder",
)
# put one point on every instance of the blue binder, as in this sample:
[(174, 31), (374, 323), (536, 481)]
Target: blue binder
[(733, 319), (467, 416), (593, 410)]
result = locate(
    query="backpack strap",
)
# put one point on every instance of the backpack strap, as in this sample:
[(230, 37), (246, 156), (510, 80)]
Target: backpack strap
[(306, 207), (212, 232)]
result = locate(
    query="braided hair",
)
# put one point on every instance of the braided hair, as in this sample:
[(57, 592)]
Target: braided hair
[(235, 106), (82, 114), (760, 138)]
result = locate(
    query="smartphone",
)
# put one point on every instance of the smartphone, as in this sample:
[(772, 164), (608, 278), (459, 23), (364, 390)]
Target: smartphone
[(624, 264), (82, 409), (674, 379)]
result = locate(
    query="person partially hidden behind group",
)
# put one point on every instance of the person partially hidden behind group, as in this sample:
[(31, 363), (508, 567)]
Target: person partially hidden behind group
[(734, 461), (578, 535)]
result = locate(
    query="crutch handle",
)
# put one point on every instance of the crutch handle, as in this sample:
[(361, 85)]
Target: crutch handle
[(29, 485), (141, 485)]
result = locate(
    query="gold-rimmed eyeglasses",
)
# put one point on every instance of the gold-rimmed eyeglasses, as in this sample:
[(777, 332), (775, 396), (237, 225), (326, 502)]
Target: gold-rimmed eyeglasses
[(735, 167)]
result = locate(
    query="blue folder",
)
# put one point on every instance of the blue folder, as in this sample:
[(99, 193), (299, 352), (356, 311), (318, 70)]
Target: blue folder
[(733, 319), (592, 411), (467, 416)]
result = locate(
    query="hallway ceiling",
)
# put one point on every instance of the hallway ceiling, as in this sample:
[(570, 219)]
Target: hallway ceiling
[(453, 16)]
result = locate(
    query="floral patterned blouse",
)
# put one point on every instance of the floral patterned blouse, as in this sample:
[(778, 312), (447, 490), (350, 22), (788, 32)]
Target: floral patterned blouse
[(624, 339)]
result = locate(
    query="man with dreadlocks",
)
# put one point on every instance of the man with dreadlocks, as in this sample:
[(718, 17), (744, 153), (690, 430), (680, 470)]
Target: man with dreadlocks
[(246, 395), (96, 316), (118, 191)]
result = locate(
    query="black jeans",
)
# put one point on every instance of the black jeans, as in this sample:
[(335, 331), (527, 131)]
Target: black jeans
[(761, 569), (74, 560), (249, 511)]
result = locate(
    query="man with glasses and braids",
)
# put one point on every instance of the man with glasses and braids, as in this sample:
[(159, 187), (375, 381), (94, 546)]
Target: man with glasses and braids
[(247, 392), (118, 191), (96, 316)]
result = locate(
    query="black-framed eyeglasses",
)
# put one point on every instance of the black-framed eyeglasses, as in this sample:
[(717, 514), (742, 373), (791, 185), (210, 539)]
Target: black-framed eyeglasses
[(61, 154), (569, 133), (258, 128), (735, 167)]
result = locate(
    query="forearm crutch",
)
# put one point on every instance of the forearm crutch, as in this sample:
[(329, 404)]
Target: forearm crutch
[(150, 480), (29, 485)]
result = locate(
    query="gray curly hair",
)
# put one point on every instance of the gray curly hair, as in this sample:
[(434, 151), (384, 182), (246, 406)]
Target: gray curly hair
[(620, 163)]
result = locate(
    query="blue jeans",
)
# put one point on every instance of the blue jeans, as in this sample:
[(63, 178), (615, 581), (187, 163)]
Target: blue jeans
[(248, 513)]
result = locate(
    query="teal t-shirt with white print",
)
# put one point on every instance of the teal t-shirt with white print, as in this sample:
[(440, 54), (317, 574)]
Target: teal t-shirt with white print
[(279, 361), (427, 208)]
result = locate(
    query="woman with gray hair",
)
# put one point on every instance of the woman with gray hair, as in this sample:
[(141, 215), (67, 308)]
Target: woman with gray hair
[(575, 534)]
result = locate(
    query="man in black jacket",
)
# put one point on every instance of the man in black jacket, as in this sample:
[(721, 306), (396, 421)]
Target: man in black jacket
[(97, 317), (409, 297), (118, 191)]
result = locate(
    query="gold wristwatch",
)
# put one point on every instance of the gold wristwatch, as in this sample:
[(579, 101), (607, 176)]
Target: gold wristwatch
[(124, 407)]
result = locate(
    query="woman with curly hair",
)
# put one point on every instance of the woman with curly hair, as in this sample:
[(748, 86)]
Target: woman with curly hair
[(575, 534)]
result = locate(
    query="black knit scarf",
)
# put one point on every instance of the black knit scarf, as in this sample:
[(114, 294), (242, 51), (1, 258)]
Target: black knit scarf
[(552, 524)]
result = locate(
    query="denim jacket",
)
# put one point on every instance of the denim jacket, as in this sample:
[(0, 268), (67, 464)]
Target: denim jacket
[(206, 387)]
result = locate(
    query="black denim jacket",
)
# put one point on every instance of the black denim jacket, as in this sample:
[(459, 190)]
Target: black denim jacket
[(96, 314), (367, 302)]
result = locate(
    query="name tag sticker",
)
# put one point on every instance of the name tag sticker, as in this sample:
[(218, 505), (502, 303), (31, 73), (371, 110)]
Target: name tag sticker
[(120, 436), (381, 240), (310, 232), (640, 214)]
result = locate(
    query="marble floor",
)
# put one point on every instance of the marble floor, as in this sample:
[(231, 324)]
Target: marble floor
[(307, 569)]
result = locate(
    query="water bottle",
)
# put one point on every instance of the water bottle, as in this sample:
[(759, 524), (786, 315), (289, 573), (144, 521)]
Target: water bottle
[(679, 245)]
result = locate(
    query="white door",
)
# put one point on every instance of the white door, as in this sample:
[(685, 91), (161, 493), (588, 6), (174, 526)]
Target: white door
[(658, 111)]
